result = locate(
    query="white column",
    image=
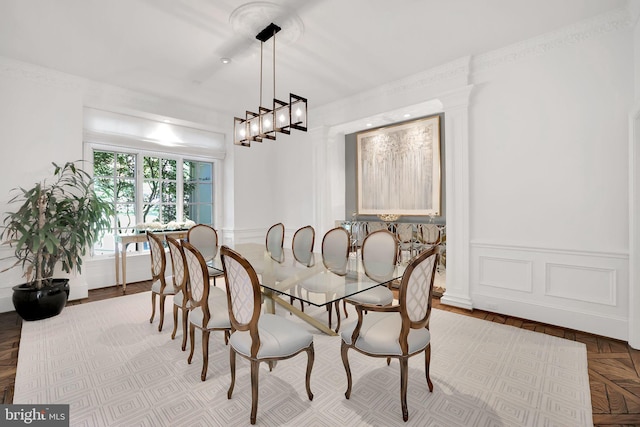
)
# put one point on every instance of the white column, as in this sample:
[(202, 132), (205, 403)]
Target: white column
[(456, 119)]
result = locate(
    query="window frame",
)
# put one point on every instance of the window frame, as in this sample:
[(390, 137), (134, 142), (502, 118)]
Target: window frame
[(217, 164)]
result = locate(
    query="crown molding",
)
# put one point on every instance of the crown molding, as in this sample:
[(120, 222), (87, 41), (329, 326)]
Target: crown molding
[(617, 20), (409, 90), (113, 98), (17, 69)]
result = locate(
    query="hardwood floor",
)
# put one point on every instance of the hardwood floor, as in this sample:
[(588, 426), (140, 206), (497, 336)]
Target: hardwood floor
[(614, 367)]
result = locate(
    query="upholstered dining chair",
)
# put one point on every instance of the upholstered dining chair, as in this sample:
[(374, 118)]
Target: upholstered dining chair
[(258, 337), (302, 245), (161, 285), (275, 241), (398, 331), (406, 239), (209, 311), (335, 256), (180, 282), (428, 235), (379, 258), (205, 239)]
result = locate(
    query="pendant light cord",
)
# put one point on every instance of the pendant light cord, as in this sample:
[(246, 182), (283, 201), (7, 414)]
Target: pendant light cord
[(261, 44)]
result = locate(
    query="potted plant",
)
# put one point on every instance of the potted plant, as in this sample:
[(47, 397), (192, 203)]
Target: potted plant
[(55, 223)]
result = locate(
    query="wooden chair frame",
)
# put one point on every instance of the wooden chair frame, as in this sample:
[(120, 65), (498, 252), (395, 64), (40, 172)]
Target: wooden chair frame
[(293, 244), (175, 250), (362, 252), (203, 303), (213, 273), (276, 228), (158, 270), (407, 325), (346, 257), (252, 327)]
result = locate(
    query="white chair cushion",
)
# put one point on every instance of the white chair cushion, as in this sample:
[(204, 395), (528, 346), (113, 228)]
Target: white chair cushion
[(219, 314), (279, 337), (177, 299), (380, 332), (380, 295), (214, 272), (168, 290)]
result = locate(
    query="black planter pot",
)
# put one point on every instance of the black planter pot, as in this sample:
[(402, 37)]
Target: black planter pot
[(36, 304)]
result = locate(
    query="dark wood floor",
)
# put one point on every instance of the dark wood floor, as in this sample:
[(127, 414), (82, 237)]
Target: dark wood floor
[(614, 367)]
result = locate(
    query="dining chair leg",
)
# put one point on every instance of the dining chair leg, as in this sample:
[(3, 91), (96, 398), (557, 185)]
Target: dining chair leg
[(427, 362), (232, 366), (153, 306), (175, 321), (255, 365), (344, 307), (185, 321), (192, 338), (205, 354), (161, 304), (345, 361), (388, 361), (404, 373), (337, 307), (310, 359)]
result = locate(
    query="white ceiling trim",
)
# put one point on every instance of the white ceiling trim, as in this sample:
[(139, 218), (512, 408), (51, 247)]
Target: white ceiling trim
[(616, 20)]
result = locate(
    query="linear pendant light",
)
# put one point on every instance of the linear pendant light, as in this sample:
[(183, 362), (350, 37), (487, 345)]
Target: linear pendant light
[(281, 117)]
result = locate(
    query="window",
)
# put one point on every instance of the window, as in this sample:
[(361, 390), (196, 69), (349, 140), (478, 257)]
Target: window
[(198, 191), (146, 188)]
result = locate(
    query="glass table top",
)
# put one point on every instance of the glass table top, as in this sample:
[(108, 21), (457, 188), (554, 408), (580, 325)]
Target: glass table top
[(314, 284)]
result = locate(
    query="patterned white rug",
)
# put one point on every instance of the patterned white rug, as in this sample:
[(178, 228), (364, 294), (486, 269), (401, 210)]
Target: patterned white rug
[(116, 369)]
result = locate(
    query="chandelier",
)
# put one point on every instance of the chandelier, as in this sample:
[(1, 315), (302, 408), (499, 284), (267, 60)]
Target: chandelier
[(280, 117)]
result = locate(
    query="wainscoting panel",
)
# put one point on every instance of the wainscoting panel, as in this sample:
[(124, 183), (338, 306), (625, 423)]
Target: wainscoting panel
[(581, 282), (505, 273), (582, 290)]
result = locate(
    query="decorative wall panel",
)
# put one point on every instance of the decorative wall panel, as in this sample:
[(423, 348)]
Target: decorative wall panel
[(581, 283), (505, 273)]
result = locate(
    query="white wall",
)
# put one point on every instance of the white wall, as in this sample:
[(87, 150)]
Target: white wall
[(40, 123), (547, 193), (549, 185), (41, 120)]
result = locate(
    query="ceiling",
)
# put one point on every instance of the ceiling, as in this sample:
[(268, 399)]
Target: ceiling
[(328, 49)]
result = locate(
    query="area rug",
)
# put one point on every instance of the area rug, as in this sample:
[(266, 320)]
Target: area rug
[(115, 369)]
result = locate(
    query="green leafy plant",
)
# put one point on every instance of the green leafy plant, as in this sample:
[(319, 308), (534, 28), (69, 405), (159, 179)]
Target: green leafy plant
[(57, 222)]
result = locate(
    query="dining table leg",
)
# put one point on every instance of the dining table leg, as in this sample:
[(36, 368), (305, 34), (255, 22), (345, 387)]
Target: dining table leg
[(297, 312)]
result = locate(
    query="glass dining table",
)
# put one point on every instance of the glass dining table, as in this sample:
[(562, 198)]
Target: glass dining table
[(315, 284)]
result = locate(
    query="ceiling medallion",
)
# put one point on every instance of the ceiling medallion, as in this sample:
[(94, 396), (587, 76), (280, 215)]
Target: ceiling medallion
[(249, 19)]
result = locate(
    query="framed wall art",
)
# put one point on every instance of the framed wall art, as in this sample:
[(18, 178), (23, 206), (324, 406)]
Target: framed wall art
[(398, 169)]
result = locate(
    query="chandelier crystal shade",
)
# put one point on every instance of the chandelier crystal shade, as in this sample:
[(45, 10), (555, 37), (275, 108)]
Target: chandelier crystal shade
[(280, 116)]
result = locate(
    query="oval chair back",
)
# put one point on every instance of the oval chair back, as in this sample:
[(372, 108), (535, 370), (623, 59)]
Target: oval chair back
[(302, 245), (380, 255), (416, 288), (205, 238), (177, 266), (198, 280), (243, 293), (335, 250), (158, 260), (275, 241)]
